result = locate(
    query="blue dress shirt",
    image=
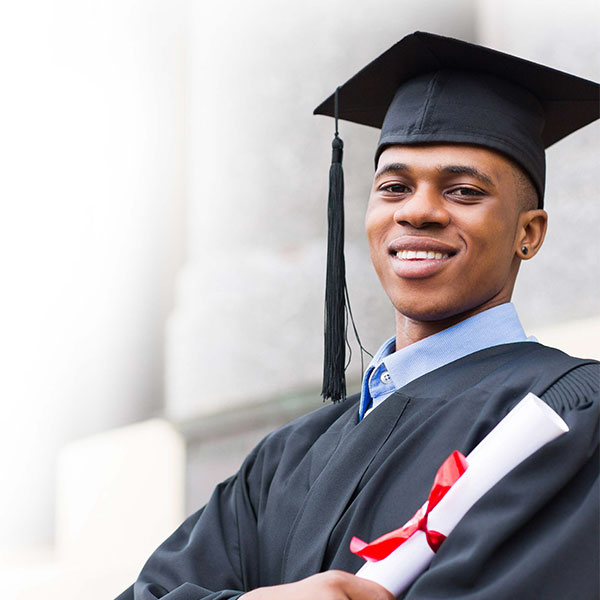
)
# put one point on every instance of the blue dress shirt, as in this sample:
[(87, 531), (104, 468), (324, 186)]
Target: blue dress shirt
[(390, 370)]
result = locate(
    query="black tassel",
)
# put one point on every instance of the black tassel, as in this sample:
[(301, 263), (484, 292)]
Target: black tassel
[(334, 379)]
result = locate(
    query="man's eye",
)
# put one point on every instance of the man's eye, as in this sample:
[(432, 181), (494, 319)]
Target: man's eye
[(395, 188), (466, 192)]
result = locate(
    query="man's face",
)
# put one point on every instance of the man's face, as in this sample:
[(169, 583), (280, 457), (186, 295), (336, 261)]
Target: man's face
[(442, 226)]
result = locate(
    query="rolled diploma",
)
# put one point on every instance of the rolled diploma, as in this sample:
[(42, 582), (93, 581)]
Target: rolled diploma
[(526, 428)]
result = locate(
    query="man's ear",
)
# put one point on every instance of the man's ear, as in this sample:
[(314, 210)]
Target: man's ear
[(531, 232)]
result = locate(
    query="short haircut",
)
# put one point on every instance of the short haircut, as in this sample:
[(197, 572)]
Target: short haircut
[(526, 192)]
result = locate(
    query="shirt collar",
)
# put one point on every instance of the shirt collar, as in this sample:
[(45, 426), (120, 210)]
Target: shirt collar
[(493, 327)]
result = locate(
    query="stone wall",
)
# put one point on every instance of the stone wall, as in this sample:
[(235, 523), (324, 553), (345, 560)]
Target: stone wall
[(248, 320), (562, 283), (247, 329)]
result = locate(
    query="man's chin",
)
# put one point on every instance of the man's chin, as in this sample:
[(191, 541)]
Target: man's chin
[(427, 314), (445, 314)]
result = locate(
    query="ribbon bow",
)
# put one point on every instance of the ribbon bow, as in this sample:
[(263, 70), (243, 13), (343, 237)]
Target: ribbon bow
[(447, 475)]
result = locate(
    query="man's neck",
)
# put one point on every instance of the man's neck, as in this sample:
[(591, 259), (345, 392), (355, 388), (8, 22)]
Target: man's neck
[(409, 331)]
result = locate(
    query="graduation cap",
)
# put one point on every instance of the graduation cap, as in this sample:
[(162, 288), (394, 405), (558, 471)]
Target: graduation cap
[(433, 89)]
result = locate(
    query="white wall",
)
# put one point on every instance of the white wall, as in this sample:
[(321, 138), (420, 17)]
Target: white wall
[(91, 189), (248, 324), (562, 282)]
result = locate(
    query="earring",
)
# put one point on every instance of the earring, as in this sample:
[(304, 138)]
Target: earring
[(525, 250)]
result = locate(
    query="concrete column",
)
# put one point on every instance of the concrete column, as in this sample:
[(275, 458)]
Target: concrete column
[(561, 283), (91, 155), (249, 318)]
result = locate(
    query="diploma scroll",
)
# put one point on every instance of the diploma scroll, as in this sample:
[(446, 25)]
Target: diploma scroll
[(526, 428)]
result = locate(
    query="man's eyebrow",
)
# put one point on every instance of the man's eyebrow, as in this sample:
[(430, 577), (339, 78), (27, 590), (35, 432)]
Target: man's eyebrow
[(391, 168), (466, 170)]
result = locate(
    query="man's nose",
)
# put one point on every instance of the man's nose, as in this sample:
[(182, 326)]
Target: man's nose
[(425, 208)]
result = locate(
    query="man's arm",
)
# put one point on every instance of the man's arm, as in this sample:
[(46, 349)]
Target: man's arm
[(332, 585), (200, 560), (536, 532), (206, 557), (535, 535)]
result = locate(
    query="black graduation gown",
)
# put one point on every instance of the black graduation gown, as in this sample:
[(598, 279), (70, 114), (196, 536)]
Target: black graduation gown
[(310, 486)]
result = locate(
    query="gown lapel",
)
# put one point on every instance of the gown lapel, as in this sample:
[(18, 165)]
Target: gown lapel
[(307, 541)]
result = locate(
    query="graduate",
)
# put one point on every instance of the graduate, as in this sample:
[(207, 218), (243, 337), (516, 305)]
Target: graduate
[(456, 205)]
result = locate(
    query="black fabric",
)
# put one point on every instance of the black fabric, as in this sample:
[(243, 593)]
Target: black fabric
[(452, 106), (483, 97), (310, 486), (334, 355)]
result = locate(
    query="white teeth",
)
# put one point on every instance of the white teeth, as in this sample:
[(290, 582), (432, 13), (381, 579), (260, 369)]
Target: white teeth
[(420, 255)]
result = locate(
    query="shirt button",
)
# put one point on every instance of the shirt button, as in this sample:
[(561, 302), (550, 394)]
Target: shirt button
[(385, 377)]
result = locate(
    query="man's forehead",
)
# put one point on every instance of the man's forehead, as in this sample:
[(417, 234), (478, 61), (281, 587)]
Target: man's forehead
[(458, 158)]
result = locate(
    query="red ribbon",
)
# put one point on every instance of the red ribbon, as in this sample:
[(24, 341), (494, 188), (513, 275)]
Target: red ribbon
[(447, 475)]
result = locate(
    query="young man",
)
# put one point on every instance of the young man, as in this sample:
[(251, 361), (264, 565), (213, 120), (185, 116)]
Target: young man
[(455, 206)]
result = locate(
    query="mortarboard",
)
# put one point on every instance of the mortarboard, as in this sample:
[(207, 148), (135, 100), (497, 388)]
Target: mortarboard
[(433, 89)]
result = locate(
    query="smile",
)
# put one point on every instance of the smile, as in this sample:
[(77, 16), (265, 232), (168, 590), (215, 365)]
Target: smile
[(420, 255)]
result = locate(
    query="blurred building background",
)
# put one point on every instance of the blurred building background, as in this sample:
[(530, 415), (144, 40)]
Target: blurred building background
[(162, 242)]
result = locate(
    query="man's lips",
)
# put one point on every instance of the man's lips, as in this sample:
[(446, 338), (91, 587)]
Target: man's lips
[(420, 248), (415, 257)]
